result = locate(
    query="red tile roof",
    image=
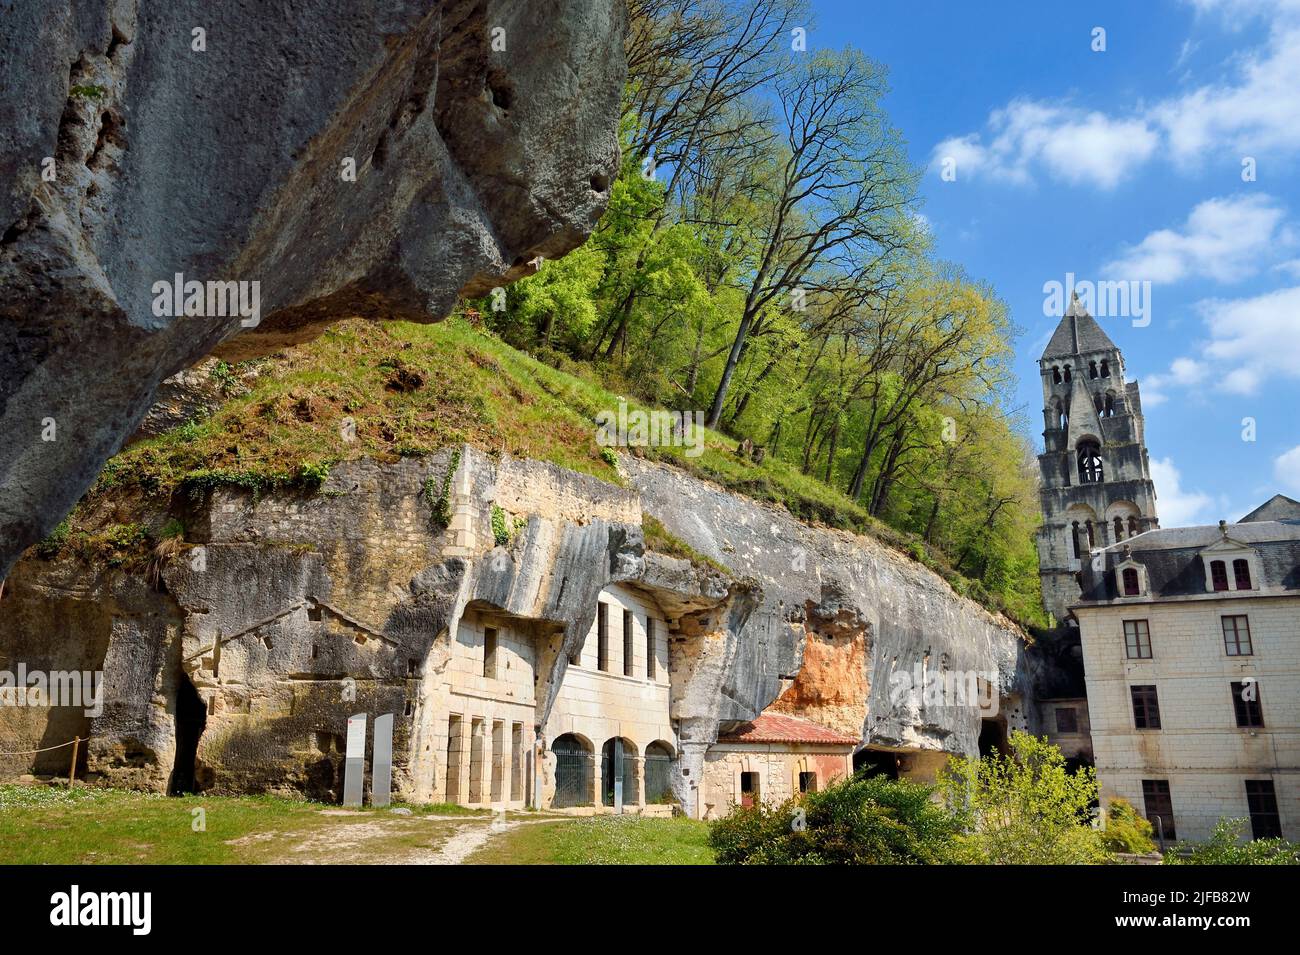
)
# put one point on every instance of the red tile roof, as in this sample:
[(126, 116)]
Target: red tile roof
[(779, 728)]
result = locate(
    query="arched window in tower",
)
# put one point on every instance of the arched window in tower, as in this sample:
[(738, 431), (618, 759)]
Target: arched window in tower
[(1056, 375), (1119, 528), (1105, 368), (1132, 527), (1092, 369), (1074, 540), (1097, 402), (1090, 471), (1109, 409), (1067, 372), (1092, 534)]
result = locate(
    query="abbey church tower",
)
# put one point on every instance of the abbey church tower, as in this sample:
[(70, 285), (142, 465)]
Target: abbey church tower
[(1096, 485)]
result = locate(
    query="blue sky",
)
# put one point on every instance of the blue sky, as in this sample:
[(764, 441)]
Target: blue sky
[(1123, 165)]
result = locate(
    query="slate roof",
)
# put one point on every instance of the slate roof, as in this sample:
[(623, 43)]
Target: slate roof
[(780, 728), (1279, 507), (1078, 332)]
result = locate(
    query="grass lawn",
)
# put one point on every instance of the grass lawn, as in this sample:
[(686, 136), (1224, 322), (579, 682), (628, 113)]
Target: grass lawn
[(601, 840), (55, 825)]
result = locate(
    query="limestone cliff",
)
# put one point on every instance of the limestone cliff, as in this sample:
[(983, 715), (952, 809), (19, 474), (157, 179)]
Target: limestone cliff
[(375, 159), (282, 614)]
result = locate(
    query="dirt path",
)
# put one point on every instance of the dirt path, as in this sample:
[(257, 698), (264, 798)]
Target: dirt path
[(388, 839)]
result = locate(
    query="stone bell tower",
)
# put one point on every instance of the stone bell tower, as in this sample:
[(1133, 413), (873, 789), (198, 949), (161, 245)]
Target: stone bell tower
[(1096, 485)]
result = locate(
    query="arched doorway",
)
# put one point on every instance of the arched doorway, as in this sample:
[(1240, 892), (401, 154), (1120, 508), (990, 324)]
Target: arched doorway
[(618, 772), (573, 764), (658, 773)]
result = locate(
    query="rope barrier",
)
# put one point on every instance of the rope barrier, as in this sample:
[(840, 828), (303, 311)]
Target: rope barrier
[(33, 752)]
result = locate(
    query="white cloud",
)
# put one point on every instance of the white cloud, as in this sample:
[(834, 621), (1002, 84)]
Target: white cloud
[(1254, 339), (1074, 145), (1286, 468), (1223, 239), (1177, 508), (1253, 111)]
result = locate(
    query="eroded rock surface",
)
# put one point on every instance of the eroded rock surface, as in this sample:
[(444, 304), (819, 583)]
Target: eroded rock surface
[(483, 134), (284, 614)]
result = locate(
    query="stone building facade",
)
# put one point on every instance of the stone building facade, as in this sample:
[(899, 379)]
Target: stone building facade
[(771, 759), (1191, 640), (1095, 486)]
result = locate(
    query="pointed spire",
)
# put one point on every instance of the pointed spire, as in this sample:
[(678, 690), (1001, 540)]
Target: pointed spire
[(1078, 332)]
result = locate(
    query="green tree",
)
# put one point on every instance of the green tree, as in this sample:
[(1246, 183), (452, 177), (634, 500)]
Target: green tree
[(1023, 808), (1227, 846)]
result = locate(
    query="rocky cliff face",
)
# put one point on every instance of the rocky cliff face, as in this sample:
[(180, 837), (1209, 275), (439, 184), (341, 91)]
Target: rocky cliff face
[(376, 159), (281, 615)]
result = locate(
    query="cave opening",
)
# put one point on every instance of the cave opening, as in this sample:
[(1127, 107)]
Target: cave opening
[(876, 762), (993, 738), (191, 718)]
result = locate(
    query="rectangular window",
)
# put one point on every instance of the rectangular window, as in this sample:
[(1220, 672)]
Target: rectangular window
[(1146, 707), (748, 789), (1159, 807), (807, 782), (1247, 705), (1067, 719), (455, 743), (1265, 823), (1218, 575), (629, 631), (649, 647), (1236, 636), (490, 653), (498, 759), (602, 636), (476, 761), (516, 761), (1241, 571), (1137, 640)]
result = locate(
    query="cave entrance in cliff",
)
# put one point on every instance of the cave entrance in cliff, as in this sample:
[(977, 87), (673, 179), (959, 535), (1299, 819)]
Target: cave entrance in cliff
[(191, 718), (876, 762), (993, 737)]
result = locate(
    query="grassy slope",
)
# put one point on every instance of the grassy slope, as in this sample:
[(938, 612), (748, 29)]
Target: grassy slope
[(105, 826), (602, 840), (410, 390)]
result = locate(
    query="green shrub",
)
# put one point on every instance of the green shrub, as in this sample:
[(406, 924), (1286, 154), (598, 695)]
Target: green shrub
[(500, 532), (1126, 831), (1024, 808), (49, 548), (856, 821), (1226, 847)]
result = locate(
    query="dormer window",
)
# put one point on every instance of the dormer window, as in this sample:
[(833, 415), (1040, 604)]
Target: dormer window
[(1218, 575), (1241, 572), (1132, 586)]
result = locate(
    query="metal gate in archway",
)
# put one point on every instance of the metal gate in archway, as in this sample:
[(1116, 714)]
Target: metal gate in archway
[(658, 769), (617, 760), (573, 766)]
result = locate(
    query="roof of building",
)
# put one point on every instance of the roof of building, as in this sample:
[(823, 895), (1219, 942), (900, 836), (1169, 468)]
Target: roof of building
[(1279, 507), (780, 728), (1203, 535), (1078, 332)]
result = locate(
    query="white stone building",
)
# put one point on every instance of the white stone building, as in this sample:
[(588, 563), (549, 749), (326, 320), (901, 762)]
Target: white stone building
[(1191, 641), (607, 743)]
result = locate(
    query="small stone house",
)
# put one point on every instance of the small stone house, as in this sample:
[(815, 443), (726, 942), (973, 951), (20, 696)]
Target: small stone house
[(770, 759)]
